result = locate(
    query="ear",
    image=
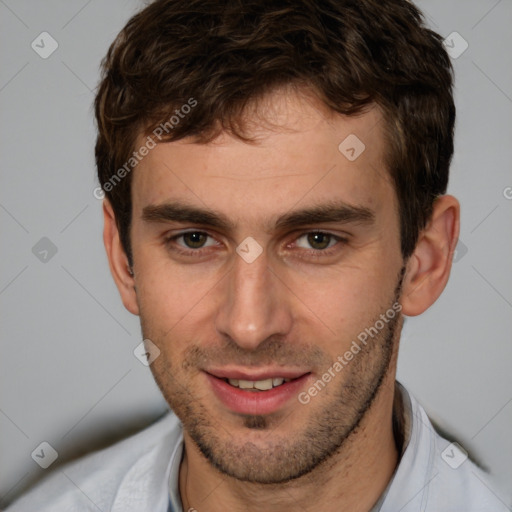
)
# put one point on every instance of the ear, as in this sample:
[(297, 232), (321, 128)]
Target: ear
[(118, 261), (429, 266)]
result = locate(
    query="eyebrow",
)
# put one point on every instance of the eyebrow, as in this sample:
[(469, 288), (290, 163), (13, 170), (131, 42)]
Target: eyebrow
[(334, 211)]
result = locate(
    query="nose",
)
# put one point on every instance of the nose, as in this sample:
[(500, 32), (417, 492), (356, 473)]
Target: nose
[(253, 305)]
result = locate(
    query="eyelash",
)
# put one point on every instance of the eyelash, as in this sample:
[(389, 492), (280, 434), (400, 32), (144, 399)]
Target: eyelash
[(312, 253)]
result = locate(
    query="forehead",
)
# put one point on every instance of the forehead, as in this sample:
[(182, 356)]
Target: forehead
[(301, 152)]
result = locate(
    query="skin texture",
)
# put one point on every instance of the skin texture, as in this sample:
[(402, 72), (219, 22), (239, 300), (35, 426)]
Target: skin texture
[(294, 307)]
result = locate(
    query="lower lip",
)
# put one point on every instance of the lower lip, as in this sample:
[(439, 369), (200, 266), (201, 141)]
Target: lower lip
[(255, 402)]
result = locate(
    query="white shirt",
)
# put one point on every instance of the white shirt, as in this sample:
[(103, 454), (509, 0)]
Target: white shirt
[(140, 474)]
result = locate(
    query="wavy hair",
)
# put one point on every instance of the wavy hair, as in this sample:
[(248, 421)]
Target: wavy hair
[(228, 54)]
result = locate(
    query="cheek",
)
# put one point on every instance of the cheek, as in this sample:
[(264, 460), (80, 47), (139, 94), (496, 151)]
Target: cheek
[(340, 303), (171, 301)]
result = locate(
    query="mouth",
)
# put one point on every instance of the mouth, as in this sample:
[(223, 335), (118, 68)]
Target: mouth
[(256, 394), (257, 385)]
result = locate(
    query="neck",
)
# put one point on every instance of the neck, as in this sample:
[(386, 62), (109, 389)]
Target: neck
[(352, 479)]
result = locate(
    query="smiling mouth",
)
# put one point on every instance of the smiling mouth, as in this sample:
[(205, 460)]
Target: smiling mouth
[(257, 385), (267, 393)]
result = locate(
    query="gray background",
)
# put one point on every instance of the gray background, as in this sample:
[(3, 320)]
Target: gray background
[(68, 373)]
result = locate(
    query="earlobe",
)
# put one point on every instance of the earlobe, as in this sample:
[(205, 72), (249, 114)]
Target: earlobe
[(118, 261), (429, 266)]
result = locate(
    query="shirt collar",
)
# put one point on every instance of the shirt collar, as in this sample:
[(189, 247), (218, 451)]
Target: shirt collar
[(175, 504), (416, 467), (403, 430)]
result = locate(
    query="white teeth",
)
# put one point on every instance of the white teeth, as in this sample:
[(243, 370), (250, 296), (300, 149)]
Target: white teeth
[(261, 385)]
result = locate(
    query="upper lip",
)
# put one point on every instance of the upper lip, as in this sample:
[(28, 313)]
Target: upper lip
[(255, 375)]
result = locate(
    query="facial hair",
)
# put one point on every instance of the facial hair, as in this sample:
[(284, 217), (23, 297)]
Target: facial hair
[(334, 418)]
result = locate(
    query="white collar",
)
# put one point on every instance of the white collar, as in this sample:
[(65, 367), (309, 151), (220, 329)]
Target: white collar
[(403, 420)]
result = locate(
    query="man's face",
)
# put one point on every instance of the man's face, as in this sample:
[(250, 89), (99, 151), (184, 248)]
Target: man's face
[(217, 313)]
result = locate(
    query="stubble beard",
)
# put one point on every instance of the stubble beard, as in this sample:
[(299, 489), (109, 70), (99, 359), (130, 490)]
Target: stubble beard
[(281, 458)]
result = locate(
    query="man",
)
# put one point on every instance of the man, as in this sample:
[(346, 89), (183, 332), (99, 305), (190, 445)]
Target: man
[(275, 176)]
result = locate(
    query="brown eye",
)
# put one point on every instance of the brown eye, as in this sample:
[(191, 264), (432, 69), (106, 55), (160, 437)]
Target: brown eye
[(319, 241), (194, 239), (315, 245), (316, 240)]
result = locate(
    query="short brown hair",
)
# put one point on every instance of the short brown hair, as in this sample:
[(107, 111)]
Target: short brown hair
[(227, 54)]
